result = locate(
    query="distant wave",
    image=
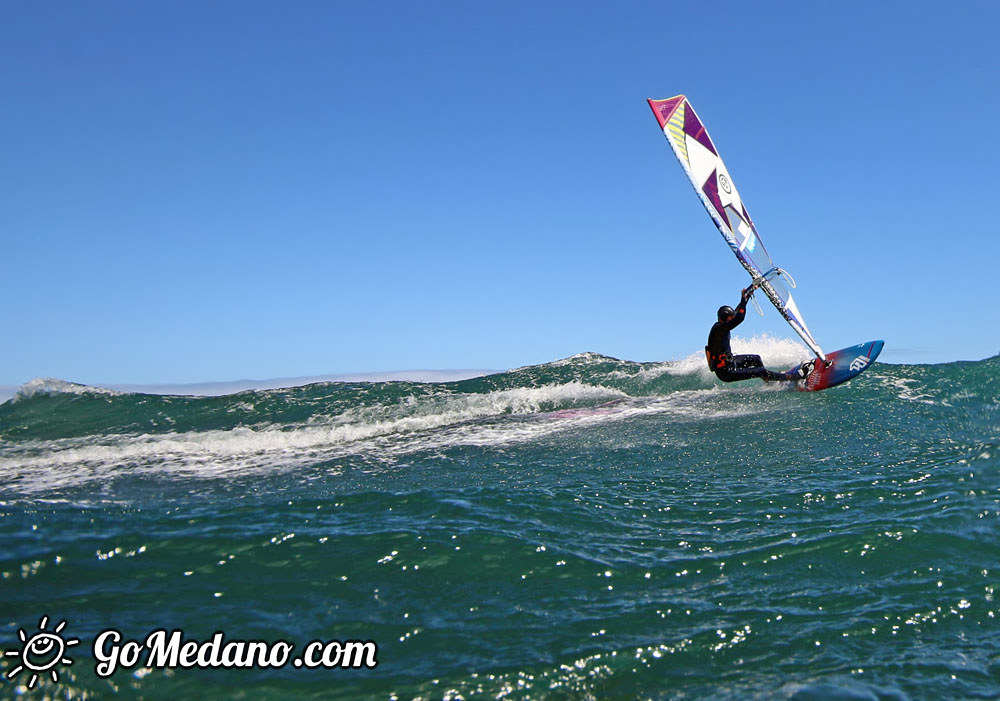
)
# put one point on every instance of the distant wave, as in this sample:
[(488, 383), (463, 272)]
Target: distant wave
[(208, 389)]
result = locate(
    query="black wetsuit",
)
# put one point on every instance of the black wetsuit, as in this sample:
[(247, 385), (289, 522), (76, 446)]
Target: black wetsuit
[(730, 368)]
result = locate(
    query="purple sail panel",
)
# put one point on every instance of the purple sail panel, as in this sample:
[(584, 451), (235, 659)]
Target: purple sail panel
[(664, 109), (694, 129), (711, 190)]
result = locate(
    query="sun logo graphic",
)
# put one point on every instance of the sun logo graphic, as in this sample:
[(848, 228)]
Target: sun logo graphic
[(41, 652)]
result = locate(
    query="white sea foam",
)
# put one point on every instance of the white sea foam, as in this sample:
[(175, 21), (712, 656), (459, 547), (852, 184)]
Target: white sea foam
[(906, 390), (381, 433), (586, 358), (48, 385), (645, 373), (777, 353), (693, 364), (379, 430)]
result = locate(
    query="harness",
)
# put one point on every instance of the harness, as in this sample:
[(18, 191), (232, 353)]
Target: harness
[(717, 362)]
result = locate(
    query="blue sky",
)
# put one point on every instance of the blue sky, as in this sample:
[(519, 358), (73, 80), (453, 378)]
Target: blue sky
[(203, 191)]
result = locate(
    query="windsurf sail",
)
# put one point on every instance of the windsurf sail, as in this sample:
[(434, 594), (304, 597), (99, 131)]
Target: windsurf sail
[(697, 154)]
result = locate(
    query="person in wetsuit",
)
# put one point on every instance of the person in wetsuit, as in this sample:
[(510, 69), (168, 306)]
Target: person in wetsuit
[(730, 368)]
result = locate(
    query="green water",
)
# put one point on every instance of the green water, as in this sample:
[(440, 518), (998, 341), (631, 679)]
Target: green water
[(591, 528)]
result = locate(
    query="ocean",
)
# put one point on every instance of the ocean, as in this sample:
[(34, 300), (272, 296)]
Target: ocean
[(590, 528)]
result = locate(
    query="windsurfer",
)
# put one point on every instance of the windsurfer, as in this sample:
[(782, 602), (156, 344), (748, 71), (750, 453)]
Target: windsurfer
[(732, 368)]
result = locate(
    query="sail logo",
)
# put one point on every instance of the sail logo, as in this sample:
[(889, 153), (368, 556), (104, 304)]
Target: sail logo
[(724, 184), (859, 363)]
